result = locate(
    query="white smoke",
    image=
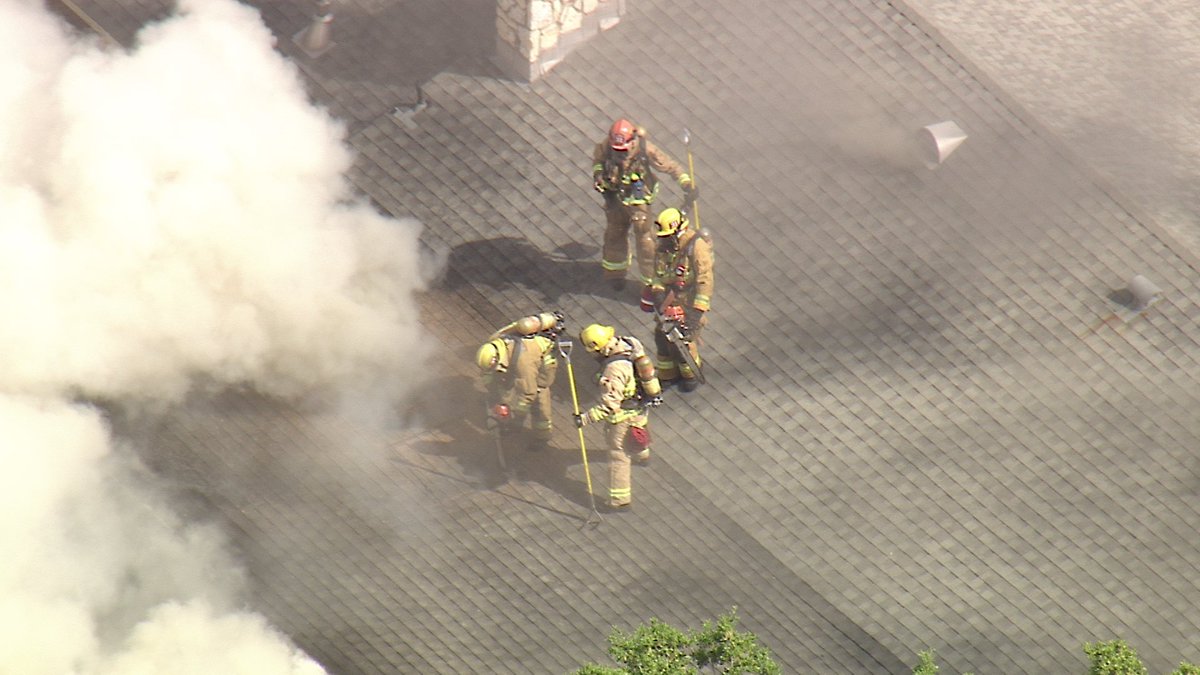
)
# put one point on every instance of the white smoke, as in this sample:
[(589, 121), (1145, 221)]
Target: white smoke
[(99, 576), (174, 212), (181, 210)]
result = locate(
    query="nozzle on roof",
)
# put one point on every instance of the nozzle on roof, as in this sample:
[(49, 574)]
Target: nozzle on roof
[(317, 38), (938, 141)]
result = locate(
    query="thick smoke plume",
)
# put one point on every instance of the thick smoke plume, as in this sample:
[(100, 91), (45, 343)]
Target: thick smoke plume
[(169, 214), (180, 210)]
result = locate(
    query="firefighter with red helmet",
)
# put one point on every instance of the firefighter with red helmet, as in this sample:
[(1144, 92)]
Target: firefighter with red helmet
[(623, 166), (680, 293), (517, 365), (628, 388)]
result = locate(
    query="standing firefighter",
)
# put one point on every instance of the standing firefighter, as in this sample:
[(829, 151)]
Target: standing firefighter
[(680, 293), (518, 366), (628, 387), (623, 166)]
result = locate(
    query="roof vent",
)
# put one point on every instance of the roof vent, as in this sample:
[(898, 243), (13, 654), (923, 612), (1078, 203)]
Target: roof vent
[(1143, 293), (317, 38), (938, 141), (405, 113)]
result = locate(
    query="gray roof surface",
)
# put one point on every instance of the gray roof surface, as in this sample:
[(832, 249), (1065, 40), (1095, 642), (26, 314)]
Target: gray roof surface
[(929, 424), (1115, 80)]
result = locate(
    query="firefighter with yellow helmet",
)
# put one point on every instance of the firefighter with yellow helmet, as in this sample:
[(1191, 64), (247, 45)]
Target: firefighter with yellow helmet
[(518, 366), (623, 166), (680, 294), (628, 388)]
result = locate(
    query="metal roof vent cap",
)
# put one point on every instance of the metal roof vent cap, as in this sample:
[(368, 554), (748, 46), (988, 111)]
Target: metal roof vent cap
[(938, 141), (1143, 293), (317, 37)]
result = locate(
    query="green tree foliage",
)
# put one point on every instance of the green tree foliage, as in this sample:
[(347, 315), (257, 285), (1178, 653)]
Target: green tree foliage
[(657, 648), (926, 665), (719, 645), (1114, 657)]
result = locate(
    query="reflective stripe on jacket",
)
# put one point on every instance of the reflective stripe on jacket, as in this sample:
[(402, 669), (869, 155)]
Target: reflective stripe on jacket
[(532, 369), (688, 269), (618, 385), (631, 176)]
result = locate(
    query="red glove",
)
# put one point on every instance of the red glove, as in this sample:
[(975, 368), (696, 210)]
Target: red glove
[(648, 298), (640, 437)]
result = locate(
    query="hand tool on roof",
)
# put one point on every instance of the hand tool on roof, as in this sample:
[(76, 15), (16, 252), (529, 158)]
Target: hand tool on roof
[(564, 349), (674, 326)]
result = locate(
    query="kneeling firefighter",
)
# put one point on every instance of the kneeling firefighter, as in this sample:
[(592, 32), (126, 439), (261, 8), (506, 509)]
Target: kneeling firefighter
[(517, 365), (680, 294), (628, 388)]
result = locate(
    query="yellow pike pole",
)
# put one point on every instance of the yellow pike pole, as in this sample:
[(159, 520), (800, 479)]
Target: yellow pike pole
[(564, 348), (687, 143)]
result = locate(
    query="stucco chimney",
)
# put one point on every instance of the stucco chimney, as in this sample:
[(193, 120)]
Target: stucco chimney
[(533, 36)]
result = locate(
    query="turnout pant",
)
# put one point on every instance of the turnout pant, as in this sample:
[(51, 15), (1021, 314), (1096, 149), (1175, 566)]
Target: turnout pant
[(667, 360), (620, 219), (620, 484), (540, 415), (538, 412)]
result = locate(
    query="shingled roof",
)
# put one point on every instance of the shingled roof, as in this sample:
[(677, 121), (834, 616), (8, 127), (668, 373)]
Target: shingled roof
[(930, 420)]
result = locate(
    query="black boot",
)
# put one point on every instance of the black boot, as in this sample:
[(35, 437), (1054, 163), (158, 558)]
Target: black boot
[(688, 384)]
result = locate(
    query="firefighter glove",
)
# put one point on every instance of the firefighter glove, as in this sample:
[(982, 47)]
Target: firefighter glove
[(647, 303), (673, 313), (690, 191), (693, 317), (598, 182), (580, 420), (640, 437)]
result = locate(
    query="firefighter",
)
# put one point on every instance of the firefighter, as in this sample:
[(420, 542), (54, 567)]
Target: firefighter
[(681, 291), (623, 167), (628, 388), (517, 365)]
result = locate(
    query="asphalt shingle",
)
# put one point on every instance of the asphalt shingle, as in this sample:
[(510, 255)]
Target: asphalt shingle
[(928, 424)]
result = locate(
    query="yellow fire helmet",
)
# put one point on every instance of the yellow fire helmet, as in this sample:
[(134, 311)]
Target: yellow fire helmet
[(671, 221), (490, 355), (596, 336)]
